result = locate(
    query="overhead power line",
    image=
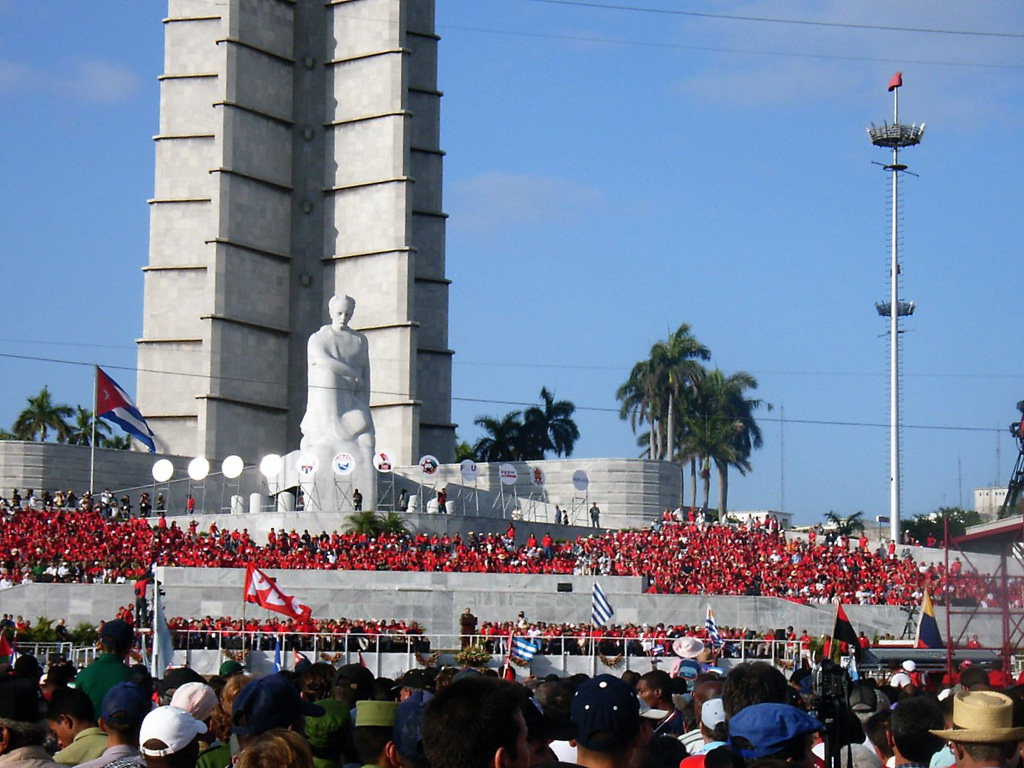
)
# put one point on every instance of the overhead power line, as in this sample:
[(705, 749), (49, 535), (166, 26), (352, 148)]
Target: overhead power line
[(770, 20), (512, 403)]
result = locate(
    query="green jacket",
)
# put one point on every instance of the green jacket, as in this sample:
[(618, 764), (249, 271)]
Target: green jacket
[(99, 677), (88, 744)]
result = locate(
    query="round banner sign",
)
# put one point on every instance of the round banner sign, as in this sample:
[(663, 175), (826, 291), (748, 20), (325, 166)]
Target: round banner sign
[(537, 477), (382, 462), (580, 481), (507, 474), (468, 470), (429, 465), (343, 464), (308, 464)]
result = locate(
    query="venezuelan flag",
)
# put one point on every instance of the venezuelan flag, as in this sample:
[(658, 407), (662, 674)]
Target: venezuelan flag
[(928, 629)]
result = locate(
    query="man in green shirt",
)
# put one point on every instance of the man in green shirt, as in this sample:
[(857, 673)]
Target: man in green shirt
[(72, 720), (108, 669)]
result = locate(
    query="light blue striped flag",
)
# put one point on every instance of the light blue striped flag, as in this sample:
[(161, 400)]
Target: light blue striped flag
[(601, 610), (712, 627), (524, 648)]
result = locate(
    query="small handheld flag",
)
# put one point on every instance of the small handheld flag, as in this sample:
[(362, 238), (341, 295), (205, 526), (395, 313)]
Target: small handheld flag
[(264, 591), (113, 404), (712, 627), (601, 610), (524, 648), (928, 628), (843, 632)]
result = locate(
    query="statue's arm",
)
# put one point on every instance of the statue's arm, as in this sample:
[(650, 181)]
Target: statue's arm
[(318, 355)]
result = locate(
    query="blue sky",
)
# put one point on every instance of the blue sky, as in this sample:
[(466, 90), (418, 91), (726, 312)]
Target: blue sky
[(612, 172)]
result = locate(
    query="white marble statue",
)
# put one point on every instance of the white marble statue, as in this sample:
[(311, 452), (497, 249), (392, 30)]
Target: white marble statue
[(337, 418)]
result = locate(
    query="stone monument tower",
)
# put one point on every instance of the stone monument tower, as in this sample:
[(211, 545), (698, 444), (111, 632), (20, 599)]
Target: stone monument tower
[(298, 157)]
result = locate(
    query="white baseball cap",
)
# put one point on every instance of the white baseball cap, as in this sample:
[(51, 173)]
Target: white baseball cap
[(712, 713), (173, 726), (909, 666)]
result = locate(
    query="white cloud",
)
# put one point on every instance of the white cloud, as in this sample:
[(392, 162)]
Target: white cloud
[(93, 81), (99, 82), (16, 76), (496, 200)]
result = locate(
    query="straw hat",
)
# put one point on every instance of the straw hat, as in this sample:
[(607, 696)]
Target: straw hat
[(982, 716)]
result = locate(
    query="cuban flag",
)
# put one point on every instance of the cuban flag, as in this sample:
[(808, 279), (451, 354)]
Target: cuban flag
[(524, 648), (113, 404), (601, 610), (712, 627)]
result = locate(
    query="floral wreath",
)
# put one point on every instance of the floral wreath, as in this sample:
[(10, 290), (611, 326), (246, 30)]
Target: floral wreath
[(239, 656), (427, 661), (331, 658), (519, 662), (611, 661)]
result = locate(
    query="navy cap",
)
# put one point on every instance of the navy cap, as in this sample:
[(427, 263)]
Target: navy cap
[(125, 703), (269, 702), (407, 732), (606, 711), (118, 631), (768, 728)]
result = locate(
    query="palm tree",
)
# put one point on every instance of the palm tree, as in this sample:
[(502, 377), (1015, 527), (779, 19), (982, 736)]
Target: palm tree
[(659, 385), (640, 402), (81, 430), (846, 526), (503, 439), (42, 416), (365, 522), (721, 429), (392, 523), (550, 428), (115, 442), (676, 360)]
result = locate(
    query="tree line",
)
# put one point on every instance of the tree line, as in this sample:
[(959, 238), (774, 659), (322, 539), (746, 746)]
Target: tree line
[(43, 418)]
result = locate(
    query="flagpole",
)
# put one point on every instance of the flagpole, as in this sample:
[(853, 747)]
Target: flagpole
[(946, 595), (92, 443)]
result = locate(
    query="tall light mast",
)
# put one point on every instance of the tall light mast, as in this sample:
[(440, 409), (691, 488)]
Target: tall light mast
[(895, 137)]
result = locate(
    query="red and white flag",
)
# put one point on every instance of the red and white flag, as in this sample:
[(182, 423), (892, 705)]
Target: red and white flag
[(263, 590)]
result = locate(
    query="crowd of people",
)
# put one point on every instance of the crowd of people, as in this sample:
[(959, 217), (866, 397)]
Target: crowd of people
[(59, 545), (319, 715)]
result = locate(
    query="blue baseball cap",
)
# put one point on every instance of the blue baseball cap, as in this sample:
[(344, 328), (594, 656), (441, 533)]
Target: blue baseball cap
[(269, 702), (407, 732), (768, 728), (125, 703)]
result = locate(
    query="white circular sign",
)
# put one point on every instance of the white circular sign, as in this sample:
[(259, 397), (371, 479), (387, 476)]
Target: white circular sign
[(580, 481), (507, 474), (537, 477), (429, 465), (163, 469), (270, 466), (343, 464), (308, 465), (468, 470), (232, 466), (198, 468), (382, 462)]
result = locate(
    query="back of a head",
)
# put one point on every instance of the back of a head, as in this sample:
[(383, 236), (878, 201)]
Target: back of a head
[(73, 702), (753, 683), (316, 681), (277, 748), (912, 719), (169, 738), (123, 709), (974, 678), (469, 721)]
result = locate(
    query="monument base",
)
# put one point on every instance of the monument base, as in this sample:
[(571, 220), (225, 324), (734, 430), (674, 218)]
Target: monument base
[(328, 477)]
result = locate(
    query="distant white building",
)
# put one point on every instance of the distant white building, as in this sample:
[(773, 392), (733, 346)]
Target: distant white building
[(758, 517), (987, 501)]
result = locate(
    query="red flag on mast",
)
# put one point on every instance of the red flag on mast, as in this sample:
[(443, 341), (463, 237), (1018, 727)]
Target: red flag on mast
[(896, 82), (263, 590)]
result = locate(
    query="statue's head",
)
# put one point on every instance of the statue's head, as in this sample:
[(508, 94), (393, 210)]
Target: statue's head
[(340, 308)]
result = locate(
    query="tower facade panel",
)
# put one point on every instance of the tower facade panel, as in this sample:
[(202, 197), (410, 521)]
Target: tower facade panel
[(298, 157)]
